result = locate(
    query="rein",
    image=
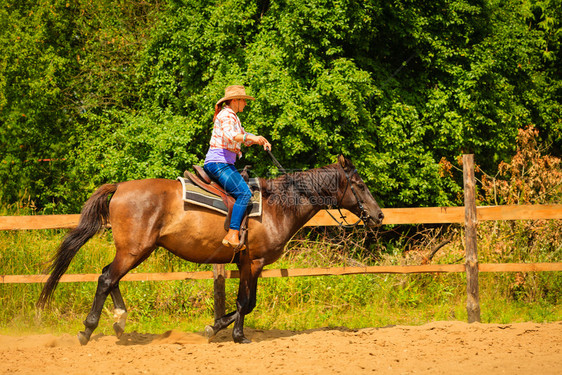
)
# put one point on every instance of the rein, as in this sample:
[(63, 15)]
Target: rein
[(276, 162)]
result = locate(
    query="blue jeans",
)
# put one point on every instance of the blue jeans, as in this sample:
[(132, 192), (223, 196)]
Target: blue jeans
[(231, 180)]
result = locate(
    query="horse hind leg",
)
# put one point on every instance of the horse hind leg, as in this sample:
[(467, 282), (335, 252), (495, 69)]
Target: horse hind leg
[(107, 283), (93, 318), (119, 311)]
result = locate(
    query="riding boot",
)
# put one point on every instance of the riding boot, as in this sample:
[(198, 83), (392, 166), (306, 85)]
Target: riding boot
[(232, 239)]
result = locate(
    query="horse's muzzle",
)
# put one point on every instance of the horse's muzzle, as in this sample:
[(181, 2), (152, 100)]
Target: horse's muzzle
[(375, 221)]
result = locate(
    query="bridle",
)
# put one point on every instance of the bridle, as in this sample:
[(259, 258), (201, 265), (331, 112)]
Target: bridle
[(363, 216)]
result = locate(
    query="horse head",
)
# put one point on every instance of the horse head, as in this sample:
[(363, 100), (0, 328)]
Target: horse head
[(356, 195)]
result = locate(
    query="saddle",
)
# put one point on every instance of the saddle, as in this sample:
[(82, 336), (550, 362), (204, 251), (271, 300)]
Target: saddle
[(202, 180)]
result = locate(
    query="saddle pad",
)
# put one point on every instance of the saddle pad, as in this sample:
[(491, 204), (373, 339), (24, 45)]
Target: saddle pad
[(200, 197)]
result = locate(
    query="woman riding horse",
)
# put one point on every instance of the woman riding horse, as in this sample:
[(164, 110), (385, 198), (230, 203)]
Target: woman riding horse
[(228, 135), (147, 214)]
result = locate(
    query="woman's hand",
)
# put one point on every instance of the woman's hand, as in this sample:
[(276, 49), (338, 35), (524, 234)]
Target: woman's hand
[(260, 140)]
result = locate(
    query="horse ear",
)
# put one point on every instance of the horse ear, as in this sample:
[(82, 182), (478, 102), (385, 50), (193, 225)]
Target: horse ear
[(346, 164), (342, 160)]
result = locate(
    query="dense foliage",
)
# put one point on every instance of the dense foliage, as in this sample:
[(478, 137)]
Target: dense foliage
[(108, 90)]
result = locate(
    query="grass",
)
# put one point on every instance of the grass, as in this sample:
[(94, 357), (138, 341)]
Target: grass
[(297, 303)]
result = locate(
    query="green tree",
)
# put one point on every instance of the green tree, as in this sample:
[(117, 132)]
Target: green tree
[(36, 44), (119, 90)]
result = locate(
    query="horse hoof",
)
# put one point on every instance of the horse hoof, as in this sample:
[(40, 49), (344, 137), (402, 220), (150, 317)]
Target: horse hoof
[(83, 338), (118, 329), (120, 316), (209, 332), (242, 340)]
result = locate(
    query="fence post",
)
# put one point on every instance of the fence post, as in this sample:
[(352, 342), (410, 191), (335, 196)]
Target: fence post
[(219, 290), (470, 223)]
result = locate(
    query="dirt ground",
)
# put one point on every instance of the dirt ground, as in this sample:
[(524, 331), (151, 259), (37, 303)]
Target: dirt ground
[(435, 348)]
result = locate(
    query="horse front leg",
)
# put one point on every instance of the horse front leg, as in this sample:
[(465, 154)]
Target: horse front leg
[(246, 301), (220, 324)]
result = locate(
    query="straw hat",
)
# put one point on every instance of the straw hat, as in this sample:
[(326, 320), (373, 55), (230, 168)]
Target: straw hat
[(234, 92)]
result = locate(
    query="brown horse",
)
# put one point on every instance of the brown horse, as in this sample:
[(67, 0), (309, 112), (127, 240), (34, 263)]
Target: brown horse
[(146, 214)]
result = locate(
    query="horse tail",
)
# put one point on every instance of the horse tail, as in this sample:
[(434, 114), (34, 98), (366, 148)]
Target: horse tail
[(94, 215)]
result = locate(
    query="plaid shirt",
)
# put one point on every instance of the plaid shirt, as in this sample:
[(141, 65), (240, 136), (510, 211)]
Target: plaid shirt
[(226, 127)]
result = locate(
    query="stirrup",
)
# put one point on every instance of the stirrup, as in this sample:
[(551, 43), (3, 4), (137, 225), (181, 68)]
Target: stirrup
[(237, 247)]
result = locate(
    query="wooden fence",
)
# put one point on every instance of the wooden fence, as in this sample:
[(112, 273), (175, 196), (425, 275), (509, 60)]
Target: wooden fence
[(469, 215), (424, 215)]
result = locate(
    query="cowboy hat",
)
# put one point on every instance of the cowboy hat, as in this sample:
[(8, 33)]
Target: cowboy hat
[(234, 92)]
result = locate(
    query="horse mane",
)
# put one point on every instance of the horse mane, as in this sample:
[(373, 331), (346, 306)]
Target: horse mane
[(290, 191)]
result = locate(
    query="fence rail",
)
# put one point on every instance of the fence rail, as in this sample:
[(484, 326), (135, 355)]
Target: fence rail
[(293, 272), (423, 215)]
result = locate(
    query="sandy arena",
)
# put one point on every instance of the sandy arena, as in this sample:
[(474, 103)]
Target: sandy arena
[(435, 348)]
